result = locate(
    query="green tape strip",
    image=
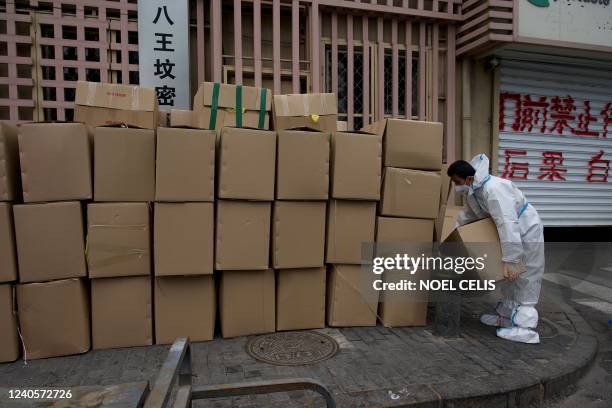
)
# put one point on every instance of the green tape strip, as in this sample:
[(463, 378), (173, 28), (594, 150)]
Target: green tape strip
[(214, 106), (262, 108), (239, 106)]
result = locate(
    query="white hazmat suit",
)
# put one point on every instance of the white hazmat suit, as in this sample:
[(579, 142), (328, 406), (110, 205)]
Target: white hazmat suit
[(522, 241)]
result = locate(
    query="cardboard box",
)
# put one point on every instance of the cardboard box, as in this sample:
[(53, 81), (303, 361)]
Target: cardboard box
[(185, 306), (9, 341), (404, 230), (185, 168), (316, 111), (356, 166), (184, 239), (484, 238), (342, 126), (403, 308), (410, 193), (446, 224), (55, 162), (404, 235), (181, 117), (300, 299), (349, 225), (121, 312), (247, 302), (54, 318), (50, 241), (8, 255), (242, 239), (254, 111), (410, 144), (10, 182), (118, 239), (124, 164), (351, 299), (100, 104), (302, 168), (247, 163), (163, 118), (299, 234)]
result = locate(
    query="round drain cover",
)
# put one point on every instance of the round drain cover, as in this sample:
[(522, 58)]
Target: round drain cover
[(292, 348)]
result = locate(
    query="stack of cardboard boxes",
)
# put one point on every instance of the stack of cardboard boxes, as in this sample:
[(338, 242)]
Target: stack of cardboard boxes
[(409, 205), (52, 297), (298, 228), (246, 166), (10, 191), (119, 221), (305, 124), (265, 210), (351, 218), (185, 304)]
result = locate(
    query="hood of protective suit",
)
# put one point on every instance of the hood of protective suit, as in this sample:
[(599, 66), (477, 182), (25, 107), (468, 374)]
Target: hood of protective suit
[(481, 164)]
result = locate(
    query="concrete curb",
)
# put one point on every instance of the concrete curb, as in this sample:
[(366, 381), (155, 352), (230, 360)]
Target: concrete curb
[(522, 388)]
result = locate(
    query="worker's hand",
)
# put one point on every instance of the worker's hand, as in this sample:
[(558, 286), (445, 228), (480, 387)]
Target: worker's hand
[(508, 272)]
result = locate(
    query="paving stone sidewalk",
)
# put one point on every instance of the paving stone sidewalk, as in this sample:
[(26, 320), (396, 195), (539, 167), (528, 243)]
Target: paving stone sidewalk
[(375, 366)]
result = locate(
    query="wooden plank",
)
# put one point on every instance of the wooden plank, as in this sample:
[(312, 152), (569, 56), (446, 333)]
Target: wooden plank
[(380, 91), (350, 68), (408, 44), (334, 52), (435, 38), (365, 21), (422, 82), (315, 41), (394, 70), (295, 45), (276, 63), (238, 41), (257, 41)]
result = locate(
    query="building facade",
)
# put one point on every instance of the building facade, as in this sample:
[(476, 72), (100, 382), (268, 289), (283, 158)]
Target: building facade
[(526, 81), (538, 75)]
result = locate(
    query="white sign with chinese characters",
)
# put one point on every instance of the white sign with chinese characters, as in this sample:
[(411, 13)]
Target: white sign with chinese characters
[(163, 50), (555, 139), (576, 21)]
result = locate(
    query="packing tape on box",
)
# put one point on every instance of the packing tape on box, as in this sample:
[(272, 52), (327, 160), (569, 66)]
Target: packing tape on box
[(117, 253), (214, 105), (239, 111), (91, 93), (136, 97), (262, 108)]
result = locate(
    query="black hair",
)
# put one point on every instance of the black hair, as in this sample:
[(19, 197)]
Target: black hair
[(461, 168)]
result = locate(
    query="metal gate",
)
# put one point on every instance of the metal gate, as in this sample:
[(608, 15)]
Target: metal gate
[(555, 136)]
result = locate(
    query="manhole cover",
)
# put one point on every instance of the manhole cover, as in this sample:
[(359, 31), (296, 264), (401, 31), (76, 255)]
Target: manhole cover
[(292, 348)]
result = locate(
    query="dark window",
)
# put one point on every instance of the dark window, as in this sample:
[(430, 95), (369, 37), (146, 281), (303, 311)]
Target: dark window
[(69, 32), (49, 94), (134, 78), (92, 54), (70, 53), (69, 94), (70, 74), (47, 51), (92, 34), (92, 75)]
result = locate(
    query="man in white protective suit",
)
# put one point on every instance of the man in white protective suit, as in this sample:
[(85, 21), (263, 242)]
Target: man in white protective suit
[(522, 242)]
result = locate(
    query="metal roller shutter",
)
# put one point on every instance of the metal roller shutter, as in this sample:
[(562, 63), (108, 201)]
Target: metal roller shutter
[(555, 137)]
